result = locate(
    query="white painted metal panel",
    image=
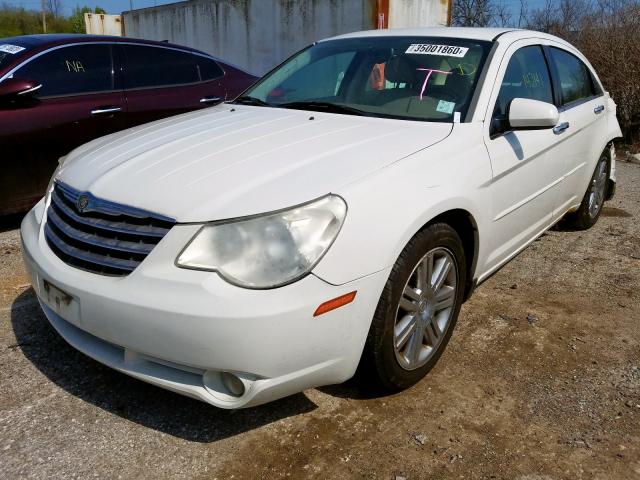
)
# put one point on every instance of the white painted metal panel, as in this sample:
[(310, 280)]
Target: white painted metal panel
[(418, 13), (100, 24)]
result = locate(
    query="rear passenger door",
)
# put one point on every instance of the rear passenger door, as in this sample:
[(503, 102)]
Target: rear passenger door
[(526, 175), (162, 81), (581, 104)]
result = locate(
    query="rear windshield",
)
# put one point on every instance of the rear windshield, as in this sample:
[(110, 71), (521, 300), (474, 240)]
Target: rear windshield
[(417, 78)]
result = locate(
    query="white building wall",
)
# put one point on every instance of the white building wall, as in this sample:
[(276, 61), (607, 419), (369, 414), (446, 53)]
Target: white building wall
[(418, 13), (259, 34), (253, 34)]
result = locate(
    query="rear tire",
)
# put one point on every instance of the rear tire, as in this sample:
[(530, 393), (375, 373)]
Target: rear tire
[(417, 310), (587, 215)]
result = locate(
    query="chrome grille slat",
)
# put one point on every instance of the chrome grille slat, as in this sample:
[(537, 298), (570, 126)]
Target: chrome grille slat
[(96, 240), (100, 236), (118, 227), (87, 256)]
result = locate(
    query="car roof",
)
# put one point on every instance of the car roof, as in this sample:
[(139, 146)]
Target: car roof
[(41, 41), (470, 33), (34, 44)]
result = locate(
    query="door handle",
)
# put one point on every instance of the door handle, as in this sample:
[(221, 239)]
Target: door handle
[(105, 110), (598, 109), (561, 128), (210, 100)]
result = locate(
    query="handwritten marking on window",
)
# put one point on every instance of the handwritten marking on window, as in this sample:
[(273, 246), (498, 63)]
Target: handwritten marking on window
[(74, 66), (426, 79), (466, 69), (532, 80)]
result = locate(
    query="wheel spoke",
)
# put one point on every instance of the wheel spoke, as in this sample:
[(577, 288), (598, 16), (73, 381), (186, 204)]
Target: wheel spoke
[(423, 272), (409, 299), (441, 320), (445, 297), (430, 334), (440, 274), (415, 345), (403, 330)]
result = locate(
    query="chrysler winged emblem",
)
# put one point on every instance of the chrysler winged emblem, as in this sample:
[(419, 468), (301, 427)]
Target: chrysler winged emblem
[(83, 201)]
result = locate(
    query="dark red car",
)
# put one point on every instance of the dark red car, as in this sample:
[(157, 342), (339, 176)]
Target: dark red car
[(60, 91)]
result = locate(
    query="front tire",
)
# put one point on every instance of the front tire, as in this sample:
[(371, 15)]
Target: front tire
[(587, 215), (417, 310)]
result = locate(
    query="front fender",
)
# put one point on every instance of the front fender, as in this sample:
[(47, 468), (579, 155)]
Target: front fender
[(389, 207)]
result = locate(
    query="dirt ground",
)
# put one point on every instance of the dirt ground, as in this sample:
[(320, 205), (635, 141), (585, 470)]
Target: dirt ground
[(541, 381)]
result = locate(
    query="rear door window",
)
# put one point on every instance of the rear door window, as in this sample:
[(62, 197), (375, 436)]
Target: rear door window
[(150, 67), (74, 70), (576, 82)]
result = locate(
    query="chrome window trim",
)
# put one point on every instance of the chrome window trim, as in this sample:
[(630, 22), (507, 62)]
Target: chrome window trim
[(10, 73), (577, 103)]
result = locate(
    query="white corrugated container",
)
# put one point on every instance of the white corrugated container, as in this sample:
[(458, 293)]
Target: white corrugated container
[(101, 24)]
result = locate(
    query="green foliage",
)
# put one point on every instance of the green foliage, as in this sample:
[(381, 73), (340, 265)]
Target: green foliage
[(20, 21)]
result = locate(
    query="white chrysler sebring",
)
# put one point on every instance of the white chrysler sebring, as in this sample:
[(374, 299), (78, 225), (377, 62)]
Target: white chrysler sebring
[(333, 217)]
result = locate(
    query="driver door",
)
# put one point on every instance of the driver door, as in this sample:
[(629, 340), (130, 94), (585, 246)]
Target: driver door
[(79, 101), (527, 176)]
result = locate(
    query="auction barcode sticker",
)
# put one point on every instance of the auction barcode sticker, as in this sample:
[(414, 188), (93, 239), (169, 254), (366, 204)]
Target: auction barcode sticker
[(10, 48), (444, 50)]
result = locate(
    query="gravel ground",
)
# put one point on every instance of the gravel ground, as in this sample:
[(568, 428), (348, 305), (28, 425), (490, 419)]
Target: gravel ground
[(541, 381)]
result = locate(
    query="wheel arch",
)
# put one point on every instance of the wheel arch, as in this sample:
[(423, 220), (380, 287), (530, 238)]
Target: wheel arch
[(464, 223)]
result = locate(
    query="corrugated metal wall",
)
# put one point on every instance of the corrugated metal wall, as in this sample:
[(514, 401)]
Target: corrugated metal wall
[(259, 34)]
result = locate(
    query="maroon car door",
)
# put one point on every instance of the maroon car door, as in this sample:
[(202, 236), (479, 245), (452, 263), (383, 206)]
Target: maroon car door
[(162, 81), (79, 100)]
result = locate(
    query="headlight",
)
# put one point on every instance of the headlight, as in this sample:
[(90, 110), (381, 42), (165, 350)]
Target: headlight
[(270, 250)]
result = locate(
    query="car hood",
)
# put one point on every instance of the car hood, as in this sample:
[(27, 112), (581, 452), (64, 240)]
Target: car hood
[(234, 160)]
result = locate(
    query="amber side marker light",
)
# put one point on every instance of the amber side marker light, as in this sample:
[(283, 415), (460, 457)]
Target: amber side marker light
[(337, 302)]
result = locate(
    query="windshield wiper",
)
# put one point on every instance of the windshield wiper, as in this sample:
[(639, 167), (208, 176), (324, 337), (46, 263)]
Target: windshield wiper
[(249, 100), (322, 107)]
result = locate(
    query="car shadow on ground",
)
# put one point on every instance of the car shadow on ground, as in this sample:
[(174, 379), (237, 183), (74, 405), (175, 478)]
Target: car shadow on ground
[(10, 222), (131, 399)]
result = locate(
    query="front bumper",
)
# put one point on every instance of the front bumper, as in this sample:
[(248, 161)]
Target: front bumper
[(180, 329)]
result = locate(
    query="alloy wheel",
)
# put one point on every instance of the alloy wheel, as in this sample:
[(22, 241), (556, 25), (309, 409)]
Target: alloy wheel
[(597, 190), (425, 308)]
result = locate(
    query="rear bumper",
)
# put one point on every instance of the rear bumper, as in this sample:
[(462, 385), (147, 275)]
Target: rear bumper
[(180, 329), (611, 183)]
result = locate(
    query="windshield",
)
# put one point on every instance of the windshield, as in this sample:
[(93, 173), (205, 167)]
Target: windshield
[(417, 78)]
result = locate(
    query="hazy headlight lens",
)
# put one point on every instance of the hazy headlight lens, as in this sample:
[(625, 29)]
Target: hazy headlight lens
[(270, 250)]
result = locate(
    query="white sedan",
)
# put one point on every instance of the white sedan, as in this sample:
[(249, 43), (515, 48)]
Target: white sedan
[(335, 216)]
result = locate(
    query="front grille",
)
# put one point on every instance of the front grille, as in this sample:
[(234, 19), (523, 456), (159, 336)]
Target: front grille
[(100, 236)]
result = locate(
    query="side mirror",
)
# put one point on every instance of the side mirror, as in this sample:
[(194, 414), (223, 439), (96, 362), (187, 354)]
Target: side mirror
[(14, 87), (525, 114)]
